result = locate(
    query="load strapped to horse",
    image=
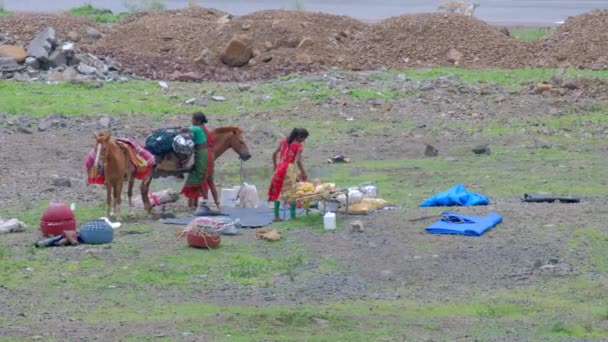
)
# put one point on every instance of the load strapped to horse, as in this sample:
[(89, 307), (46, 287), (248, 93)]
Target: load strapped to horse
[(173, 151)]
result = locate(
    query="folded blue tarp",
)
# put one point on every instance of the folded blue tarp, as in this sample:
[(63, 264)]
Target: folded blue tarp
[(452, 223), (458, 195)]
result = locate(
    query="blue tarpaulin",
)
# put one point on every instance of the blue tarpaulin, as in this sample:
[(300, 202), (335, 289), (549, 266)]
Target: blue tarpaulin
[(458, 195), (451, 223)]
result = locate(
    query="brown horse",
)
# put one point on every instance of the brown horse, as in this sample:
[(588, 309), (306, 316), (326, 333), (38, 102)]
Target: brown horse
[(116, 167), (224, 138)]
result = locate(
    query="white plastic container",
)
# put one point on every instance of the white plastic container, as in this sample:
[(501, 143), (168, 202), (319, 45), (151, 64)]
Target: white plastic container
[(329, 221), (228, 198)]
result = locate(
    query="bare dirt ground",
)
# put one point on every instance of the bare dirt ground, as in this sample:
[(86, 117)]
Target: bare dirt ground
[(535, 146)]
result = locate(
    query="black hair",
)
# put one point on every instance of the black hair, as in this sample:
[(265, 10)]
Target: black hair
[(297, 133), (200, 117)]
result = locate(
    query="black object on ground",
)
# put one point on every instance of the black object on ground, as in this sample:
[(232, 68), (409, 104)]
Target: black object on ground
[(537, 198)]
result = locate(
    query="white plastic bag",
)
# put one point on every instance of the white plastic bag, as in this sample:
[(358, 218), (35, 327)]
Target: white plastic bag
[(354, 196)]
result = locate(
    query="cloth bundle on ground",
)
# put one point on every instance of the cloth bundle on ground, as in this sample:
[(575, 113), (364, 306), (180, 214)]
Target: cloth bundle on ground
[(220, 224), (158, 198), (11, 226), (142, 161), (452, 223), (458, 195)]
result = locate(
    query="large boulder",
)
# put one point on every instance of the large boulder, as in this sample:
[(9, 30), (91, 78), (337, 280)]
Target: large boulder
[(43, 44), (12, 51), (238, 51)]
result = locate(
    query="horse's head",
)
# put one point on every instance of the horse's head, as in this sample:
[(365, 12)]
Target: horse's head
[(238, 144), (235, 139), (102, 137), (101, 140)]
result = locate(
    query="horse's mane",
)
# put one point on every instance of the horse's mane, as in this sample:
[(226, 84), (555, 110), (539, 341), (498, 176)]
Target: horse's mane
[(227, 129)]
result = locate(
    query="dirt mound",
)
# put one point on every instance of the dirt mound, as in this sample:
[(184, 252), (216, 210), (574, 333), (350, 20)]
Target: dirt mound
[(582, 41), (426, 39), (182, 36), (25, 26)]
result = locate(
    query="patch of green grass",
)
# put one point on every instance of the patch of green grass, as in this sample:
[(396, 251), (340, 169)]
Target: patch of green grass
[(4, 12), (370, 93), (144, 5), (97, 15), (510, 78), (597, 241), (114, 98), (530, 33), (412, 180), (488, 316)]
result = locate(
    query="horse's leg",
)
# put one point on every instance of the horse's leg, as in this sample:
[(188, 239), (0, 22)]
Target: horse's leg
[(130, 194), (131, 176), (144, 188), (109, 200), (117, 198)]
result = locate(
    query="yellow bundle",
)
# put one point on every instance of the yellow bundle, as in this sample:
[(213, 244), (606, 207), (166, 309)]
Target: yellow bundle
[(366, 205), (303, 188), (325, 187)]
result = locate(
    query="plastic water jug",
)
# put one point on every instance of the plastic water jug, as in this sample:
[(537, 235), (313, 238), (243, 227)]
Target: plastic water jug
[(329, 221), (228, 198)]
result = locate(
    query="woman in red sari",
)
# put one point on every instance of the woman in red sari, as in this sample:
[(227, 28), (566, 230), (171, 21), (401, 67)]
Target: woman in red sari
[(283, 182)]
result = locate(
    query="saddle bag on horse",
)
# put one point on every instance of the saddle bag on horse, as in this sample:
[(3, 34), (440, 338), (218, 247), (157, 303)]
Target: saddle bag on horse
[(173, 150)]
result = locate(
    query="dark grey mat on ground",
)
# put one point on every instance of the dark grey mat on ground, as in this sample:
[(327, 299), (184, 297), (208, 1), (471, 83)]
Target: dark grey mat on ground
[(249, 217)]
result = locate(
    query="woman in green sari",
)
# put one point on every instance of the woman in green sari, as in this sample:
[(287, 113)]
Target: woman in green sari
[(200, 178)]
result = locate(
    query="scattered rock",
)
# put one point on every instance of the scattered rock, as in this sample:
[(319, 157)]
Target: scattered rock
[(57, 59), (244, 87), (543, 87), (206, 57), (268, 45), (32, 62), (481, 149), (505, 31), (266, 59), (454, 56), (93, 33), (50, 122), (12, 51), (23, 130), (430, 151), (246, 26), (255, 53), (93, 61), (303, 58), (74, 36), (8, 62), (238, 51), (86, 69), (252, 62), (305, 42), (357, 226), (42, 45), (218, 98), (191, 101), (386, 106), (62, 182), (224, 19), (163, 85)]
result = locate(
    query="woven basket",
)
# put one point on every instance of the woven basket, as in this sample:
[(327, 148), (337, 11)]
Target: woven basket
[(96, 232), (198, 238)]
